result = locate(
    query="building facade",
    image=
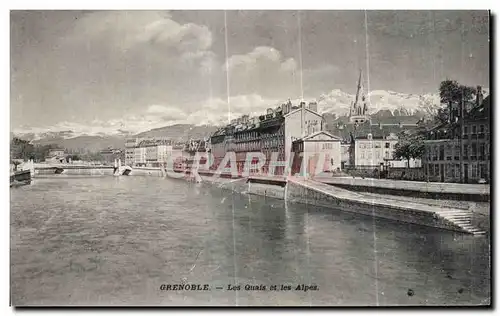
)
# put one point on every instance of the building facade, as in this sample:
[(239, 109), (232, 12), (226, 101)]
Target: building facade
[(317, 153), (459, 151), (130, 144), (271, 134), (139, 157), (374, 151)]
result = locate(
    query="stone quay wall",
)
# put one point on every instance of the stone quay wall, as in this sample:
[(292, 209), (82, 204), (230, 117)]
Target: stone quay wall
[(299, 193)]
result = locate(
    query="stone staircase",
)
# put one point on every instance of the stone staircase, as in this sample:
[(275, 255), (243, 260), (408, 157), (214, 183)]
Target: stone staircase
[(461, 218)]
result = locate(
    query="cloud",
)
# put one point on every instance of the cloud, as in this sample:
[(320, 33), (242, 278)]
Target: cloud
[(215, 111), (263, 71), (170, 112), (113, 62)]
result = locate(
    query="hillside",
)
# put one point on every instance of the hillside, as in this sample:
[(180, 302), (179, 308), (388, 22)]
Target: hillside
[(180, 131)]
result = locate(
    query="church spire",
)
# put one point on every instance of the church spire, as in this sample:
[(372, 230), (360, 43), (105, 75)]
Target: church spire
[(358, 89)]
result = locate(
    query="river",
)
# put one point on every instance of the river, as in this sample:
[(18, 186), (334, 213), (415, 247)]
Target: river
[(115, 240)]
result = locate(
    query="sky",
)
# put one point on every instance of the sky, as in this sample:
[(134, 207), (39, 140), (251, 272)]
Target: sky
[(136, 70)]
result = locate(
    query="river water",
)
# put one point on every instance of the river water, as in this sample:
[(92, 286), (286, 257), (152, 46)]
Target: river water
[(116, 240)]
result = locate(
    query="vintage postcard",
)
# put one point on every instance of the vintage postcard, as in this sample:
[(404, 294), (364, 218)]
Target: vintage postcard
[(250, 158)]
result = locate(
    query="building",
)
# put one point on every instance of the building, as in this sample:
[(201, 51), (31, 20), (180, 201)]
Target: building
[(300, 123), (358, 113), (153, 152), (56, 155), (374, 151), (321, 152), (56, 152), (110, 155), (272, 134), (139, 157), (130, 144), (459, 150), (264, 134), (364, 139)]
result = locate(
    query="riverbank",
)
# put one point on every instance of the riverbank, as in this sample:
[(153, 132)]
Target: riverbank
[(435, 190), (244, 186), (462, 216)]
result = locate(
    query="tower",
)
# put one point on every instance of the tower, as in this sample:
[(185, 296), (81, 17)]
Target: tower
[(358, 112)]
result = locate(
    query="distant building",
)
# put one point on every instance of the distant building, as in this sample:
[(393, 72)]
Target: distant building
[(151, 152), (130, 144), (139, 157), (110, 155), (56, 152), (56, 155)]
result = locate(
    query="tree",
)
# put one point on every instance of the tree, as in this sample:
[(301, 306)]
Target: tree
[(410, 146), (429, 106), (450, 93), (21, 149)]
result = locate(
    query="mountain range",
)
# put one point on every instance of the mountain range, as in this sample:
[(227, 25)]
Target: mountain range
[(385, 106)]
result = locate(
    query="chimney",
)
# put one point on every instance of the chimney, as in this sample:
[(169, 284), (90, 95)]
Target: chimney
[(302, 105), (313, 106)]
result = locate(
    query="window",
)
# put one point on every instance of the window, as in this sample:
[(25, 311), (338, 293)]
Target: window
[(377, 145), (473, 129), (441, 152), (481, 152), (430, 169), (481, 129), (387, 145), (436, 170), (457, 152), (474, 151), (466, 151), (474, 171), (448, 152), (386, 155), (482, 171)]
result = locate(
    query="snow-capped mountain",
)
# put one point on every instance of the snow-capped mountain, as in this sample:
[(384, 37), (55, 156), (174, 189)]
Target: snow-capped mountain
[(339, 102), (335, 103)]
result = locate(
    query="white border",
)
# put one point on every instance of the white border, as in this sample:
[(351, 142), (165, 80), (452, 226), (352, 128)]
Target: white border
[(188, 4)]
